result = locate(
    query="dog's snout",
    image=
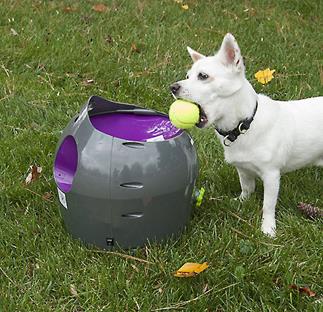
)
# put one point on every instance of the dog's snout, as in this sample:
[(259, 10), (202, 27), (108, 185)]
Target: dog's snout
[(175, 87)]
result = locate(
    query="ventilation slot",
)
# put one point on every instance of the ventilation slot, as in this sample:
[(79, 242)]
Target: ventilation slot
[(133, 215), (132, 185), (134, 144)]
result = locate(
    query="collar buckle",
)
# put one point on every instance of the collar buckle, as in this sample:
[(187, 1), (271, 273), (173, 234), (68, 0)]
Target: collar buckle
[(243, 126), (226, 141)]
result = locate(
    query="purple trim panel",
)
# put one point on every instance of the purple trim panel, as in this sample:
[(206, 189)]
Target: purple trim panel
[(135, 127), (66, 164)]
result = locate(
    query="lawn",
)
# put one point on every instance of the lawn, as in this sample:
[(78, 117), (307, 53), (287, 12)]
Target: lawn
[(54, 55)]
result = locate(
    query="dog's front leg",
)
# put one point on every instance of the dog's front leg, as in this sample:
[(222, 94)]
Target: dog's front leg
[(247, 182), (271, 180)]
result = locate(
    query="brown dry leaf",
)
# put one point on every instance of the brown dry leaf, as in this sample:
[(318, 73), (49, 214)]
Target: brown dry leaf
[(134, 48), (303, 290), (88, 82), (109, 39), (48, 196), (33, 174), (190, 269), (73, 290), (100, 7)]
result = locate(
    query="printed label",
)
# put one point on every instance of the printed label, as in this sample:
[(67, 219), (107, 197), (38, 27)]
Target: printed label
[(156, 139), (62, 198)]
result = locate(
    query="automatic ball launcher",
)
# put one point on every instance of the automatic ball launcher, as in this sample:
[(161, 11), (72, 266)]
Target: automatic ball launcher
[(125, 174)]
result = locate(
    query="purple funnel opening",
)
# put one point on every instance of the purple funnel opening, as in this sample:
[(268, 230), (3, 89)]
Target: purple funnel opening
[(134, 127), (66, 164)]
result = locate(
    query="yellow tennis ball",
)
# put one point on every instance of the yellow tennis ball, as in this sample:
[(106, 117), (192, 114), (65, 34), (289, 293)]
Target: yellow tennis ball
[(183, 114)]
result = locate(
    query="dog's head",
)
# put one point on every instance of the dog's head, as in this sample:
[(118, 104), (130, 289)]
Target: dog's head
[(212, 80)]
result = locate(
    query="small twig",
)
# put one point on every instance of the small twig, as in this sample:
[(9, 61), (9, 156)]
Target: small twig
[(44, 198), (137, 304), (13, 128), (6, 275), (184, 303), (289, 75), (218, 198), (5, 97), (273, 245), (47, 81), (5, 70), (128, 257), (239, 218), (238, 232)]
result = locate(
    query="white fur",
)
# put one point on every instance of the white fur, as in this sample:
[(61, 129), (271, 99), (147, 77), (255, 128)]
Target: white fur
[(284, 136)]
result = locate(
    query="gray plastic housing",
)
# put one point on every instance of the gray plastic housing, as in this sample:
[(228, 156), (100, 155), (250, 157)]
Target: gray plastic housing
[(126, 193)]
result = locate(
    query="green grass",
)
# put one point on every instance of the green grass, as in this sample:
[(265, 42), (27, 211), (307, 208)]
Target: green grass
[(42, 70)]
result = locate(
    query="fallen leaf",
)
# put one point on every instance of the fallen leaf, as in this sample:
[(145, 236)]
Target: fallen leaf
[(33, 174), (13, 32), (109, 39), (185, 7), (264, 76), (303, 290), (100, 7), (190, 269), (73, 290), (88, 82), (134, 48), (41, 66)]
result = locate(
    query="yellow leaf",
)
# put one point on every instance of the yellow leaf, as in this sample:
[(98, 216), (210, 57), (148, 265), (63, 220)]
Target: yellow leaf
[(185, 7), (264, 76), (190, 269)]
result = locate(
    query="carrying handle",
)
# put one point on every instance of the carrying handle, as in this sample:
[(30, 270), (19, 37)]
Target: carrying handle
[(98, 106)]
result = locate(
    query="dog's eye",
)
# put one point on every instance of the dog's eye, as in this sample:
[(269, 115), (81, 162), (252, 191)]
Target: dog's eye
[(187, 76), (202, 76)]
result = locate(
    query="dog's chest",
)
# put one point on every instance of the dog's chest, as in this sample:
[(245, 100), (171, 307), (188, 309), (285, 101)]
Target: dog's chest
[(244, 159)]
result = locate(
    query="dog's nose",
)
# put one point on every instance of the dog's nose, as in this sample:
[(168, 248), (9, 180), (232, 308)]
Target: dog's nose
[(175, 87)]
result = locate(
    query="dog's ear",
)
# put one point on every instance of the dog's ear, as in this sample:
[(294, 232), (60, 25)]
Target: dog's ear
[(230, 53), (194, 55)]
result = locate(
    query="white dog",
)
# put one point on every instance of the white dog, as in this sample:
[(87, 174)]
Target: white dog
[(261, 137)]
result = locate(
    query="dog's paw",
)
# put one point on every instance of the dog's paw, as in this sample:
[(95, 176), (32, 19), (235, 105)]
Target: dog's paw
[(268, 228), (243, 196)]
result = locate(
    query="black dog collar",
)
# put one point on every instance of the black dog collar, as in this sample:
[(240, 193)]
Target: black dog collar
[(242, 127)]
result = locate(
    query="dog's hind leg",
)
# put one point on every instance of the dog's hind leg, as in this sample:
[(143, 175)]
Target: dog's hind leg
[(247, 182)]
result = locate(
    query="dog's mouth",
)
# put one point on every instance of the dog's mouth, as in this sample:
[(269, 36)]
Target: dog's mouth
[(203, 118)]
